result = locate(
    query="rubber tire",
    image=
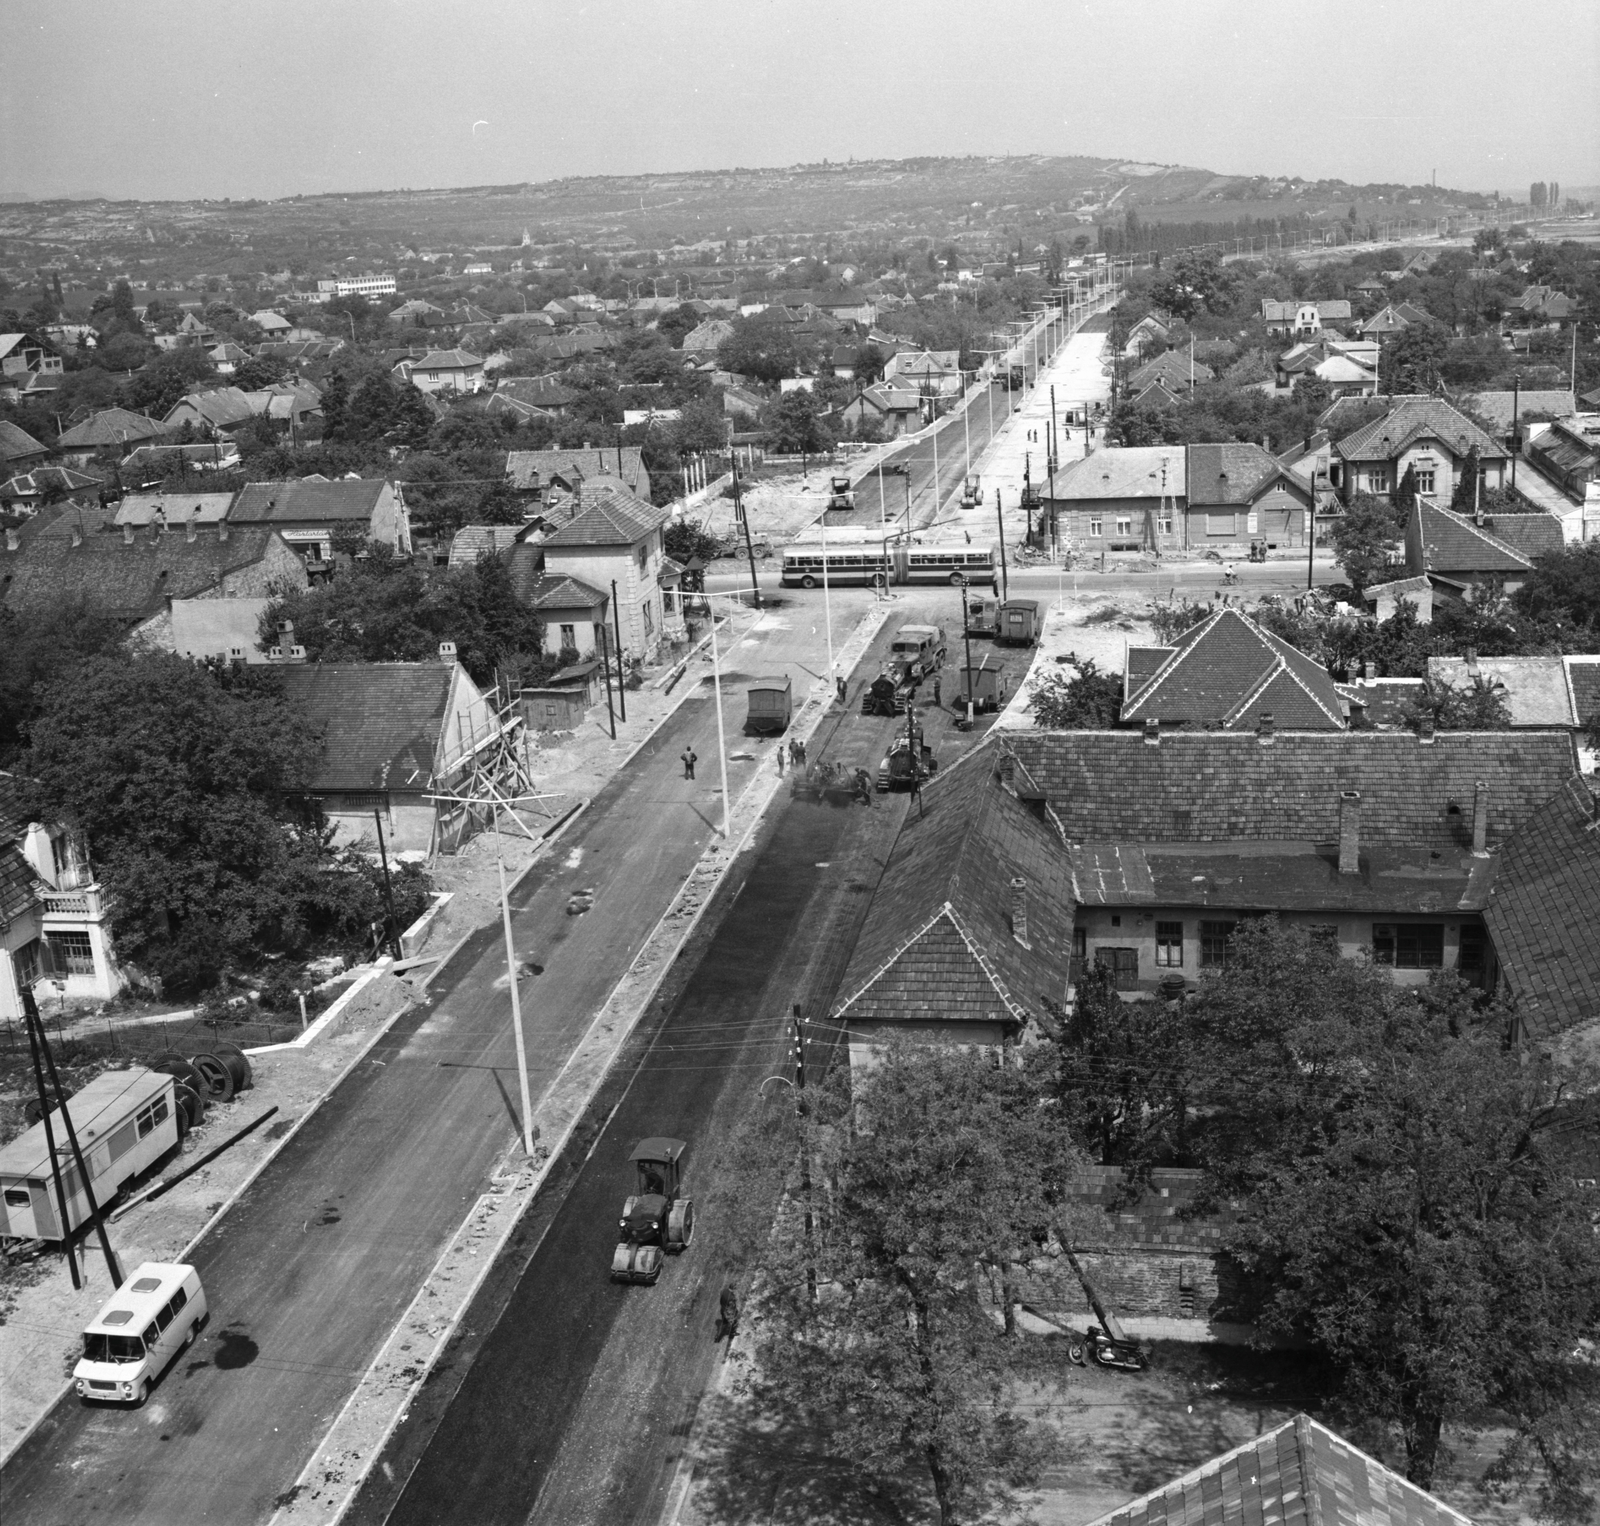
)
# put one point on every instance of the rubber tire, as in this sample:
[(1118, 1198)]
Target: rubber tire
[(238, 1062), (217, 1076), (1076, 1354), (879, 580), (808, 581), (957, 579), (141, 1398), (189, 1339)]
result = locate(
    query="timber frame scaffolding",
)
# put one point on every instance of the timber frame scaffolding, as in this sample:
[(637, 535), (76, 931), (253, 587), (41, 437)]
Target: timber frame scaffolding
[(489, 775)]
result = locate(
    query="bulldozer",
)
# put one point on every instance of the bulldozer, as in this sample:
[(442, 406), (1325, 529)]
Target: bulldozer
[(908, 763), (656, 1220)]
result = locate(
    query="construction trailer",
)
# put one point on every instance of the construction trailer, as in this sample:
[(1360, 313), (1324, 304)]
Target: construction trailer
[(1019, 622), (983, 682), (769, 706), (126, 1120)]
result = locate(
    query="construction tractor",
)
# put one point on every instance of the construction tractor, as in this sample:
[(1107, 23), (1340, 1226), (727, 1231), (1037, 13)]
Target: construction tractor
[(656, 1220), (841, 496), (908, 763), (888, 693), (972, 492)]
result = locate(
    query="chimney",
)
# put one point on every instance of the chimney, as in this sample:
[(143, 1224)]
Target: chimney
[(1350, 832), (1472, 659), (77, 535), (1367, 674), (286, 634), (1480, 818), (1266, 728), (188, 531), (222, 529), (1008, 771), (447, 651), (1425, 731), (1152, 733), (1019, 911)]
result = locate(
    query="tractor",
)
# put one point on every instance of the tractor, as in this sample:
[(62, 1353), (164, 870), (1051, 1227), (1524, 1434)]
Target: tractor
[(908, 763), (656, 1219)]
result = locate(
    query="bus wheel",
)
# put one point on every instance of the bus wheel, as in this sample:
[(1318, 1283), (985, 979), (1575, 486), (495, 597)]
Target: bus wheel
[(879, 580), (957, 579), (808, 581)]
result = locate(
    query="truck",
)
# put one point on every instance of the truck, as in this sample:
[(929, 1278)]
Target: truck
[(1011, 377), (917, 650), (770, 706), (841, 495)]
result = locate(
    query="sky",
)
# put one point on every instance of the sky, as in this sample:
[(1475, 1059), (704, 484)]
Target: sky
[(171, 99)]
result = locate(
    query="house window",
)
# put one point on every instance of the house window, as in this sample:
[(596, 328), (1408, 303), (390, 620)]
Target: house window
[(1124, 526), (1169, 945), (1214, 940), (1409, 945), (1165, 522), (1097, 526), (644, 558), (1425, 479), (1472, 958), (72, 952), (569, 638), (1123, 964), (1378, 479), (29, 962)]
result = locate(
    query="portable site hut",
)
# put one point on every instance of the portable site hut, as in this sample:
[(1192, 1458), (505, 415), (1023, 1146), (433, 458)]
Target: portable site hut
[(771, 704), (984, 681), (983, 614), (1019, 622), (126, 1120)]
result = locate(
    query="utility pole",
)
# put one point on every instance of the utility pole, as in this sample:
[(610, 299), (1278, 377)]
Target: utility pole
[(722, 740), (30, 1012), (1000, 520), (516, 999), (605, 658), (616, 616), (743, 519), (393, 939)]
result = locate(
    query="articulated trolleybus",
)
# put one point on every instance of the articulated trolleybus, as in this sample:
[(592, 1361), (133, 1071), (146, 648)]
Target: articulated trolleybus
[(865, 562)]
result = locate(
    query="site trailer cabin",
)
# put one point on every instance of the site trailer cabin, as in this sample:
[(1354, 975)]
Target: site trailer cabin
[(771, 704), (983, 615), (126, 1120), (984, 681), (1019, 622)]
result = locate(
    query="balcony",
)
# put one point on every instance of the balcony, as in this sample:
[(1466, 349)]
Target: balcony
[(81, 905)]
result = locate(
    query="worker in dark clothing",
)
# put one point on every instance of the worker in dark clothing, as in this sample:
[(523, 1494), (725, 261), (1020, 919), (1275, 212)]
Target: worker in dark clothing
[(780, 759), (936, 688), (727, 1314), (839, 685), (689, 761)]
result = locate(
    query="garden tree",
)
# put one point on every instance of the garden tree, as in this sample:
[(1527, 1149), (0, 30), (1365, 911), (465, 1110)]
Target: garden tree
[(762, 346), (1405, 1204), (36, 651), (672, 326), (1364, 537), (380, 409), (1405, 495), (870, 361), (1478, 706), (1469, 483), (335, 405), (386, 610), (1565, 585), (260, 372), (795, 426), (1412, 360), (124, 352), (158, 386), (463, 487), (1083, 700), (875, 1323), (177, 775)]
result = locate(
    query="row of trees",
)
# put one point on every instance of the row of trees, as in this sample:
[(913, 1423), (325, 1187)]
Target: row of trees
[(1405, 1201)]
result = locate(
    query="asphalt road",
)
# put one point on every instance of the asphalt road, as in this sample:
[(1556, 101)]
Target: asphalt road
[(317, 1261), (569, 1398)]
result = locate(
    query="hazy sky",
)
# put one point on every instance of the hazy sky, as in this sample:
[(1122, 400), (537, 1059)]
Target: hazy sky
[(178, 98)]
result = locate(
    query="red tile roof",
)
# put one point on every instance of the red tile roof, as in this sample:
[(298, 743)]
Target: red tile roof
[(609, 516), (306, 499), (380, 722), (1453, 543), (1414, 418), (1543, 911)]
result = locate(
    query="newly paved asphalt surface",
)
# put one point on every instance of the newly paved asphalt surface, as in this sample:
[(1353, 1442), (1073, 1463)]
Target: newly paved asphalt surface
[(318, 1260)]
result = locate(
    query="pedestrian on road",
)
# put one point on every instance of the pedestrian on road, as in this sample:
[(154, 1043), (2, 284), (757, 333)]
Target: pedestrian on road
[(839, 685), (727, 1314), (936, 688), (689, 761), (780, 760), (802, 746)]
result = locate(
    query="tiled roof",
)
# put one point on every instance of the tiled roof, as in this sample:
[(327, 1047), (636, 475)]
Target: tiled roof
[(1416, 418), (1583, 686), (19, 885), (1454, 543), (380, 722), (15, 443), (111, 426), (1227, 670), (1298, 1474), (1495, 408), (303, 499), (473, 541), (1125, 472), (140, 509), (1533, 534), (938, 941), (1235, 473), (1216, 786), (708, 335), (221, 407), (1383, 703), (447, 360), (609, 516), (1172, 367), (130, 582), (537, 391), (563, 592), (1535, 687), (1544, 909), (530, 469), (47, 479)]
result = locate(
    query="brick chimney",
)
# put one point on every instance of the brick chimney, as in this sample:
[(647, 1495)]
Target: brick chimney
[(1019, 911), (127, 535), (13, 540), (1425, 731), (1350, 832), (1480, 818), (222, 529), (77, 535), (447, 651), (1152, 733), (1266, 728), (188, 530)]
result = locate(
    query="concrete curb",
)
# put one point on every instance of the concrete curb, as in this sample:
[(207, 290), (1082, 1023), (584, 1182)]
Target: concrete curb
[(333, 1475)]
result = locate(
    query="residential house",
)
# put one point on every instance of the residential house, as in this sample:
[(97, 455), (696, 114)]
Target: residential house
[(1149, 333), (216, 411), (1542, 910), (1346, 369), (1303, 318), (1121, 498), (293, 410), (194, 330), (1566, 453), (1226, 673), (1542, 307), (112, 429), (1391, 319), (395, 736), (19, 451), (53, 920), (1464, 556), (1376, 840), (1501, 412), (614, 540), (535, 472), (1240, 492), (28, 492), (741, 402), (534, 397), (1384, 599), (417, 314), (574, 614), (852, 307), (313, 514), (705, 339), (273, 325), (471, 543), (444, 371), (24, 356), (1541, 693), (1298, 1473), (933, 373), (896, 410), (968, 939), (1176, 370), (150, 464), (227, 358), (1371, 289), (1311, 460), (172, 510), (1423, 434), (132, 575), (228, 629)]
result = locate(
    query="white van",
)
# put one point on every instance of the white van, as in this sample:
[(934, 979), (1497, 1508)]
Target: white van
[(146, 1322)]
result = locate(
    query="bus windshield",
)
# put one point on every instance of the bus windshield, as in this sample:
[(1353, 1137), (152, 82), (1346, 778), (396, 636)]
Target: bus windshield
[(98, 1347)]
